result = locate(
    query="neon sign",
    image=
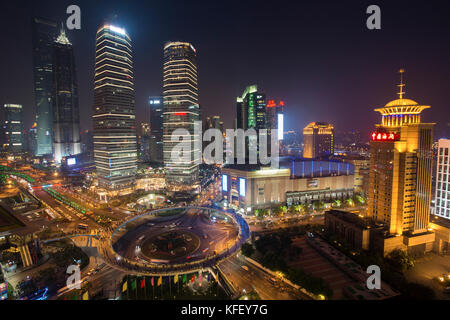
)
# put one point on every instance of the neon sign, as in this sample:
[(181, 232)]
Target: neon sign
[(271, 103), (380, 136)]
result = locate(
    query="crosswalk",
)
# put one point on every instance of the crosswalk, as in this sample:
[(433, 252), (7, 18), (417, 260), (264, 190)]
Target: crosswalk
[(25, 255)]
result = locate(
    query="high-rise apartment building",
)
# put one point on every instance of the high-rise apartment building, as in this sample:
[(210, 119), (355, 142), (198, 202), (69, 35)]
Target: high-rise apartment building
[(442, 196), (12, 128), (66, 116), (44, 35), (318, 140), (181, 111), (115, 145), (401, 169)]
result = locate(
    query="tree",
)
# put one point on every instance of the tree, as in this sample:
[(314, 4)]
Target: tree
[(247, 249), (400, 260)]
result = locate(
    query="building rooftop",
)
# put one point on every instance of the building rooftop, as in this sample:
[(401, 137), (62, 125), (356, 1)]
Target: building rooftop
[(363, 223), (440, 221)]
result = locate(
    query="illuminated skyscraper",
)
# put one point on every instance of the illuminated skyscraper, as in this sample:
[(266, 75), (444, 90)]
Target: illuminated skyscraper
[(181, 110), (12, 128), (156, 126), (251, 109), (318, 140), (44, 35), (275, 118), (400, 172), (251, 114), (66, 117), (443, 179), (115, 145)]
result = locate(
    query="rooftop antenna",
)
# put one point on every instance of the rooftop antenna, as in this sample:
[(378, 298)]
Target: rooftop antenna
[(401, 85)]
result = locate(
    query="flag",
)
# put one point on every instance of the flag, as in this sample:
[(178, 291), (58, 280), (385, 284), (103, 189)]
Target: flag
[(142, 283), (175, 278), (125, 286), (152, 282), (193, 278), (200, 278), (217, 276), (184, 278), (86, 296), (159, 280), (133, 284)]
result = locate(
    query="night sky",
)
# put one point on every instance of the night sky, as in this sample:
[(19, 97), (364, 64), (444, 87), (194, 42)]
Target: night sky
[(318, 56)]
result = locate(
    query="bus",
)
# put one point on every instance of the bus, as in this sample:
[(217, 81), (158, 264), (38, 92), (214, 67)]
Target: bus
[(83, 226)]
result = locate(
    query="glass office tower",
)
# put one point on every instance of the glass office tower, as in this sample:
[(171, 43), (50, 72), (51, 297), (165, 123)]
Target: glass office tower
[(181, 111), (66, 116), (115, 145), (44, 35)]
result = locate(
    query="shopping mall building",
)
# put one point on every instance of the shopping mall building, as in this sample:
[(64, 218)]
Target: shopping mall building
[(297, 181)]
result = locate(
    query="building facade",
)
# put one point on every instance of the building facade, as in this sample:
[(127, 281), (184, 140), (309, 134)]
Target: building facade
[(12, 128), (66, 115), (156, 126), (253, 186), (318, 140), (115, 145), (181, 111), (401, 160), (442, 196), (44, 35)]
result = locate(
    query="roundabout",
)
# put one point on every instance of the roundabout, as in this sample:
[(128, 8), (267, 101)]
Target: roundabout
[(175, 240), (170, 245)]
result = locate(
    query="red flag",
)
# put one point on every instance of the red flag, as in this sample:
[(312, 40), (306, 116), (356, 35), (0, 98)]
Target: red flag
[(142, 283), (152, 281), (193, 278)]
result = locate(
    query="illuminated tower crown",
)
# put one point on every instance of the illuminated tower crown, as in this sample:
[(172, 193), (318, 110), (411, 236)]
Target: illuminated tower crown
[(401, 111)]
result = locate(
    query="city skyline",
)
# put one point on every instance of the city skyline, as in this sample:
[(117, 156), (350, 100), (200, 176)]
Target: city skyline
[(308, 86), (225, 151)]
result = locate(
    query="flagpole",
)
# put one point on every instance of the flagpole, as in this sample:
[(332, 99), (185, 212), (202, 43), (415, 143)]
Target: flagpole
[(170, 287)]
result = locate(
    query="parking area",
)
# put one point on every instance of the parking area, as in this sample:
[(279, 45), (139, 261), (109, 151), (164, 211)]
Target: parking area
[(428, 269)]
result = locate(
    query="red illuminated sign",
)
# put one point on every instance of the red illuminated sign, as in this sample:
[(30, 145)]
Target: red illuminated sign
[(180, 113), (282, 103), (380, 136), (271, 103)]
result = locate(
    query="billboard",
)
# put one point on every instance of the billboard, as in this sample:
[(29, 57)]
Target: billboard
[(71, 161), (242, 185), (3, 291), (280, 126), (224, 182)]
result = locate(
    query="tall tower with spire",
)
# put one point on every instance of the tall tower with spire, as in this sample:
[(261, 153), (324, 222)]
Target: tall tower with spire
[(400, 176), (66, 116)]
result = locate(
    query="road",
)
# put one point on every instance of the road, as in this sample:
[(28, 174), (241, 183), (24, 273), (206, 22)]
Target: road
[(219, 236), (258, 280)]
